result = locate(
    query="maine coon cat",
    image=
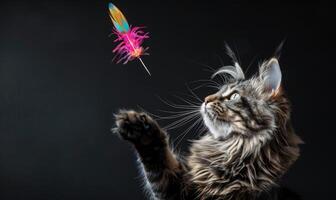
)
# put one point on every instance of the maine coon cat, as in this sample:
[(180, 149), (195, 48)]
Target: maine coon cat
[(250, 142)]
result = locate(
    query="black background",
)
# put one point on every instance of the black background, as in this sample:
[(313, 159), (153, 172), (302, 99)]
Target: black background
[(59, 89)]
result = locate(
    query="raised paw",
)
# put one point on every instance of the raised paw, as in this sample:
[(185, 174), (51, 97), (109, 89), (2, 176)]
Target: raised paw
[(137, 127)]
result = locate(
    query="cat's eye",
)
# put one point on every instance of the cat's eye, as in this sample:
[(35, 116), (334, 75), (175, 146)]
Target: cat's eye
[(234, 96)]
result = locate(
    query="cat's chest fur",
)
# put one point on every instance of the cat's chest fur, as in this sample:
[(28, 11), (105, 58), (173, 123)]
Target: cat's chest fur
[(223, 170)]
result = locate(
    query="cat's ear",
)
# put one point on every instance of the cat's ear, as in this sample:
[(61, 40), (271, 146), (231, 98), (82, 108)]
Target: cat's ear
[(270, 76)]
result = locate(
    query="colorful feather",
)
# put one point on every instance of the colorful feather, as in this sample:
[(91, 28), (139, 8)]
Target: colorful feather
[(130, 38), (118, 19)]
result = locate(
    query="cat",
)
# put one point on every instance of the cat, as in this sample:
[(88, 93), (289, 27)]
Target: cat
[(249, 145)]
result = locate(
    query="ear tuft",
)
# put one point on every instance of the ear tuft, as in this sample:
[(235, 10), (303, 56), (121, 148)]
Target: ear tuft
[(271, 76)]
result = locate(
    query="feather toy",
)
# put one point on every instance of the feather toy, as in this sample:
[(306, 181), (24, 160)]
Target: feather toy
[(129, 38)]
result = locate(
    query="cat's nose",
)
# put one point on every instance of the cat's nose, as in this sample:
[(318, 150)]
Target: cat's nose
[(210, 98)]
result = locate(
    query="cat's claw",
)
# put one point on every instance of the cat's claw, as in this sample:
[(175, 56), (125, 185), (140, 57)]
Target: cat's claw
[(136, 127)]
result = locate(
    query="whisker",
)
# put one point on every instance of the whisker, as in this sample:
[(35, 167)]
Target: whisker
[(188, 101), (178, 106), (179, 112), (155, 116), (180, 122), (179, 115), (187, 131), (186, 113), (203, 130), (206, 85), (208, 68), (205, 80), (193, 93), (200, 127)]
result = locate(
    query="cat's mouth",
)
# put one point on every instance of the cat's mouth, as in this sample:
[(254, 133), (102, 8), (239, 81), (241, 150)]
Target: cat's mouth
[(210, 113)]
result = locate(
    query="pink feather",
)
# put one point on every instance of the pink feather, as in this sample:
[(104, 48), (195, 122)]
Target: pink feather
[(129, 46)]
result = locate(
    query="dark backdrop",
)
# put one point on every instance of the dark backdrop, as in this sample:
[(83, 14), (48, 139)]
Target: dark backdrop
[(59, 89)]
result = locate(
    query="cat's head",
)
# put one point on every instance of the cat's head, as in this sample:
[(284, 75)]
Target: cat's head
[(247, 107)]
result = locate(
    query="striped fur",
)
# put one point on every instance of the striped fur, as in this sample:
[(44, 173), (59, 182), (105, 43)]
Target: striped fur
[(249, 146)]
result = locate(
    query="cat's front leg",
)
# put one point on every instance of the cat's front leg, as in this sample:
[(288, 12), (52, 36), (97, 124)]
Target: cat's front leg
[(162, 169)]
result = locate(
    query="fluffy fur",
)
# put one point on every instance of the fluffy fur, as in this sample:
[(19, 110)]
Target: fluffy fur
[(250, 142)]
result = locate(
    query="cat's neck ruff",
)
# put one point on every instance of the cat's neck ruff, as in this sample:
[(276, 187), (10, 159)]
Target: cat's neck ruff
[(233, 162)]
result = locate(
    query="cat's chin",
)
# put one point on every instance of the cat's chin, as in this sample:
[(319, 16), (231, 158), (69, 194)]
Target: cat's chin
[(219, 129)]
